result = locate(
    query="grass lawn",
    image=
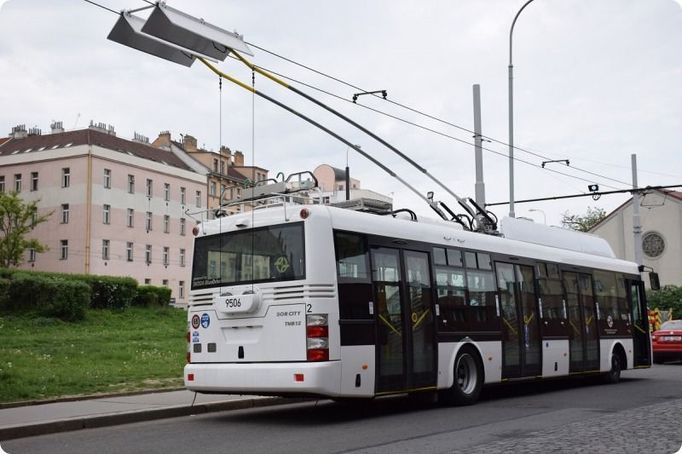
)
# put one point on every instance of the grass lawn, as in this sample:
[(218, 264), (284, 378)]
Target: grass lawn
[(110, 351)]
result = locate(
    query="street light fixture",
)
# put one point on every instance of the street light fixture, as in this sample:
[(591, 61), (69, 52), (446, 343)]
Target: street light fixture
[(511, 116)]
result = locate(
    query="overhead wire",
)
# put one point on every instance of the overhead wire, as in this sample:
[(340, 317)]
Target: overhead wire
[(419, 112), (426, 128)]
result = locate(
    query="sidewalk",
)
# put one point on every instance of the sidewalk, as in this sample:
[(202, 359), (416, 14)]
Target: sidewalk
[(54, 417)]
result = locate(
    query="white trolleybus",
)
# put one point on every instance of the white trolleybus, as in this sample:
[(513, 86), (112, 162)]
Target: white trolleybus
[(296, 300)]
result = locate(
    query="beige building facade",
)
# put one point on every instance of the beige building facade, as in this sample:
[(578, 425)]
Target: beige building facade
[(661, 222)]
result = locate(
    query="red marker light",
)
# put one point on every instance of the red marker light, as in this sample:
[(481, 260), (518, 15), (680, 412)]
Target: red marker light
[(195, 230), (304, 213), (190, 377), (298, 377)]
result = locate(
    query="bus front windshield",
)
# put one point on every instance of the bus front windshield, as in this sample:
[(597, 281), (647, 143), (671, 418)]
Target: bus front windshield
[(266, 254)]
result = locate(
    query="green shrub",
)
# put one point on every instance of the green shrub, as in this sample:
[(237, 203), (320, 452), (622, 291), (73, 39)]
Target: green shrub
[(668, 297), (70, 300), (47, 296), (112, 292), (150, 295)]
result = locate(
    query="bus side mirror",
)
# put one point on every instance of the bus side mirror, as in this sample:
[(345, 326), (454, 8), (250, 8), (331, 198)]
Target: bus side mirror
[(654, 282)]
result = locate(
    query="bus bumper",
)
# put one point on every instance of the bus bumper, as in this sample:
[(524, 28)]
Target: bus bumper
[(322, 378)]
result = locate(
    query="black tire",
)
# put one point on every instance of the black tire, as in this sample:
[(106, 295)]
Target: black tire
[(468, 379), (613, 376)]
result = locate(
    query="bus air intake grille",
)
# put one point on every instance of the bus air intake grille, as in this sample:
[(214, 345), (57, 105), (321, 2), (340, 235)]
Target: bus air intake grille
[(299, 292), (201, 298)]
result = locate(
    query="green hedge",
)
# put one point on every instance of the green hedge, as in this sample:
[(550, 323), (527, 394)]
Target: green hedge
[(106, 292), (47, 296), (149, 295), (668, 297)]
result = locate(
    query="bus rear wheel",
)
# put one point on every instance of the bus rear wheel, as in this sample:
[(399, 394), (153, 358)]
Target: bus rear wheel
[(468, 379), (613, 375)]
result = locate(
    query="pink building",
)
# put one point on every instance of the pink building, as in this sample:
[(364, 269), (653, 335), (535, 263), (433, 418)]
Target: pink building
[(119, 207)]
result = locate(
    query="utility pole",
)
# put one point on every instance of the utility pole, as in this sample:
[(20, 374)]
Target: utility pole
[(478, 141), (636, 225)]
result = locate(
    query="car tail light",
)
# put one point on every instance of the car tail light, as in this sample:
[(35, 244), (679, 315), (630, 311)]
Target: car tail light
[(317, 337)]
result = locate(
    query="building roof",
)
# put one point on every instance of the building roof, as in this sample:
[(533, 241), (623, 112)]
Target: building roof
[(3, 140), (38, 143)]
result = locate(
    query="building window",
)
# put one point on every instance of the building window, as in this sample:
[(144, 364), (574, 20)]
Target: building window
[(2, 183), (129, 251), (215, 165), (212, 189), (148, 221), (63, 249), (106, 214), (34, 181), (166, 192), (183, 196), (105, 249), (65, 213), (182, 257), (164, 282), (148, 254), (17, 182), (198, 199), (181, 290), (147, 281), (166, 255), (66, 177), (653, 244), (222, 167), (166, 224), (130, 221), (131, 184), (150, 187), (107, 178), (31, 255), (183, 226)]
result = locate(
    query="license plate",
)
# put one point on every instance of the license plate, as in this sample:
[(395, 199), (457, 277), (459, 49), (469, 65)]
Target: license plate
[(672, 338)]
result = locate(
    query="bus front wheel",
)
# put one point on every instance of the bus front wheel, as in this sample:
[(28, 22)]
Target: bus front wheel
[(468, 379)]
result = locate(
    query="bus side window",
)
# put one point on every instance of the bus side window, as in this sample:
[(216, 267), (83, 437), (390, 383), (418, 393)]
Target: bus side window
[(352, 268)]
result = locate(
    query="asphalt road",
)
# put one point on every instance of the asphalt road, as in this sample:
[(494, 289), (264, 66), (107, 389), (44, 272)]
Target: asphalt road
[(643, 413)]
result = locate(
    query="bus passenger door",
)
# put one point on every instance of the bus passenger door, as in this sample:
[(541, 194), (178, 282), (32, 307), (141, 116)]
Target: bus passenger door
[(640, 323), (582, 322), (405, 333), (521, 347)]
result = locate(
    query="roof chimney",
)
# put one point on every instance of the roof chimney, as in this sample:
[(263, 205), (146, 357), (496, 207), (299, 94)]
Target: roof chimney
[(163, 141), (18, 132), (102, 127), (34, 131), (137, 137), (238, 159), (56, 127), (189, 143)]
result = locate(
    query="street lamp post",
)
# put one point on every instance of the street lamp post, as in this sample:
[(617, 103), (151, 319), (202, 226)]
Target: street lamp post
[(544, 216), (511, 116)]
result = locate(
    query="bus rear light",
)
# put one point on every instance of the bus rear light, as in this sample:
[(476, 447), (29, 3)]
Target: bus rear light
[(188, 357), (317, 331), (317, 343), (316, 320), (318, 354), (317, 337), (187, 337)]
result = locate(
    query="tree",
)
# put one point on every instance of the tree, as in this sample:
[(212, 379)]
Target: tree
[(17, 220), (583, 223)]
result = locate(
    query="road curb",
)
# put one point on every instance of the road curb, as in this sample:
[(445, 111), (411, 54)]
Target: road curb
[(90, 422)]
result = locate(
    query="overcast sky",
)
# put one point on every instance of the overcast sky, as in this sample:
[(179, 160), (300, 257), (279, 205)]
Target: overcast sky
[(595, 81)]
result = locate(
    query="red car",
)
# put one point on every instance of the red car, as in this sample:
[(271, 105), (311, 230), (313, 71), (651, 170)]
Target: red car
[(667, 341)]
